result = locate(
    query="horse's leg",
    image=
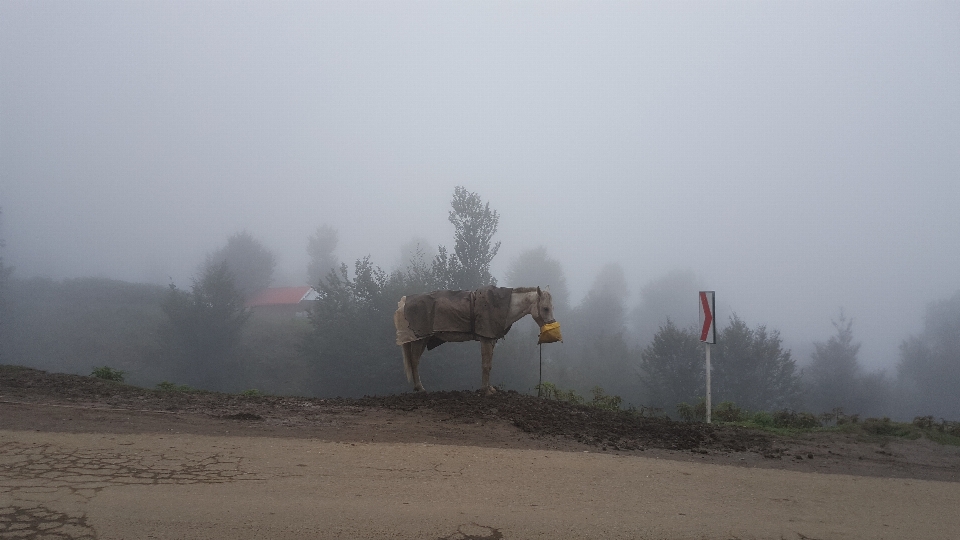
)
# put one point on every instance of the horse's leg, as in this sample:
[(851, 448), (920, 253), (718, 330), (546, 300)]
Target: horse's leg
[(486, 353), (414, 352)]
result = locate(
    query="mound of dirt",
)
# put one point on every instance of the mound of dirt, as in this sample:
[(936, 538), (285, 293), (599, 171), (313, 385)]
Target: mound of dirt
[(606, 429), (617, 430), (31, 399)]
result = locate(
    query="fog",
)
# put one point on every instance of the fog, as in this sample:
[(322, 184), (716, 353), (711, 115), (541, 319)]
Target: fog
[(798, 157)]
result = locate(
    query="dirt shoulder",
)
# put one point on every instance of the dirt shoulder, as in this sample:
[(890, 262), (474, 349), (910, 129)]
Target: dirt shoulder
[(33, 400)]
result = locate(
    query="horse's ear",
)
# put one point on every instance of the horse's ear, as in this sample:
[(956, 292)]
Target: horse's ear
[(538, 291)]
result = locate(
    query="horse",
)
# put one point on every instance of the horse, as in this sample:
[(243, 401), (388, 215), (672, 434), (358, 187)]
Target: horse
[(428, 320)]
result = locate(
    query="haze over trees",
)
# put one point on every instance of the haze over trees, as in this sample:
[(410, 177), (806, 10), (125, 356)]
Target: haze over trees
[(833, 374), (670, 367), (752, 369), (667, 297), (596, 348), (790, 206), (200, 335), (77, 324), (249, 262), (353, 344), (929, 366), (321, 247), (468, 267), (205, 338), (535, 267)]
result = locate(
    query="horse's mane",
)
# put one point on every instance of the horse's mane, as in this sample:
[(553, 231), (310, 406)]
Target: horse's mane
[(524, 289)]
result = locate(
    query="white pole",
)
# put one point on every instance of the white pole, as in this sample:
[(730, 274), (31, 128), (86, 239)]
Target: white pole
[(708, 383)]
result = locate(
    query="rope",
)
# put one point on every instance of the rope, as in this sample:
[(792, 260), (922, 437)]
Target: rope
[(540, 384)]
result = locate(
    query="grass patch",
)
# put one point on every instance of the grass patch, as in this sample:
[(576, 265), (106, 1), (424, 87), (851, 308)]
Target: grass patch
[(943, 438), (942, 432), (168, 386), (108, 374), (601, 400), (884, 427)]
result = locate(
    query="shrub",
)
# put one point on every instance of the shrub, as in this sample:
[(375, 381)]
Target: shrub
[(602, 401), (550, 391), (885, 427), (763, 419), (953, 428), (647, 412), (943, 432), (108, 373), (693, 413), (727, 411), (787, 418), (253, 392), (172, 387)]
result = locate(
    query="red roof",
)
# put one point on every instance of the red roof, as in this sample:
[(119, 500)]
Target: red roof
[(282, 296)]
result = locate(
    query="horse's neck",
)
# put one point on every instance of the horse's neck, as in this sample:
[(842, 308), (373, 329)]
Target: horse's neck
[(521, 305)]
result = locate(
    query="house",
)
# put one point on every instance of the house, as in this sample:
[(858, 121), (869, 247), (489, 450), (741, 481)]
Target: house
[(280, 301)]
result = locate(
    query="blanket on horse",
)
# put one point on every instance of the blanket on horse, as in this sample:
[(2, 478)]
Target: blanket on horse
[(482, 313)]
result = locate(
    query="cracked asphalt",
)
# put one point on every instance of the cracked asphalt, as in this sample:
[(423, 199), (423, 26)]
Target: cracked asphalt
[(87, 459), (167, 486)]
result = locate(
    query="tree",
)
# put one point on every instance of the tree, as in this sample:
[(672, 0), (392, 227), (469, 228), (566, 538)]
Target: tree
[(671, 296), (929, 368), (534, 267), (474, 226), (672, 367), (353, 342), (203, 327), (603, 310), (595, 349), (320, 247), (352, 345), (752, 369), (833, 375), (415, 276), (248, 260)]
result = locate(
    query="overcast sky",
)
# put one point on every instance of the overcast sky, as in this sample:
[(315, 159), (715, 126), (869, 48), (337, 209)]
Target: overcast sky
[(799, 157)]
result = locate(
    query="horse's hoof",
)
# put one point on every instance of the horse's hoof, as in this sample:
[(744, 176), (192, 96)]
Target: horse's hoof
[(419, 389), (489, 391)]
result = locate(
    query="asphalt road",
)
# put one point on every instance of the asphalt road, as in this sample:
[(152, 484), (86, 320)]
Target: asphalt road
[(179, 486)]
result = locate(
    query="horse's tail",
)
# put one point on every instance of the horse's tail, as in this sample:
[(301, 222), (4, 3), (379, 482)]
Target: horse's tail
[(402, 326)]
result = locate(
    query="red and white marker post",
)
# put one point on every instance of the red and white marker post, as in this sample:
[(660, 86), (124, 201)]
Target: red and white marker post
[(708, 334)]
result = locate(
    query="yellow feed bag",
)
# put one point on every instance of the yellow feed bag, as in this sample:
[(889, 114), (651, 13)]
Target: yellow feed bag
[(550, 333)]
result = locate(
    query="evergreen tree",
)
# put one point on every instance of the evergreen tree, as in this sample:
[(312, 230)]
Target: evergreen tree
[(929, 369), (596, 339), (672, 367), (534, 267), (250, 263), (752, 369), (353, 343), (320, 247), (203, 328), (667, 297), (474, 226), (833, 375)]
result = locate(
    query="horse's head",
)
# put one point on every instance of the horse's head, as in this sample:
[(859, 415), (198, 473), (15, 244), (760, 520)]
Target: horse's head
[(543, 310), (543, 314)]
